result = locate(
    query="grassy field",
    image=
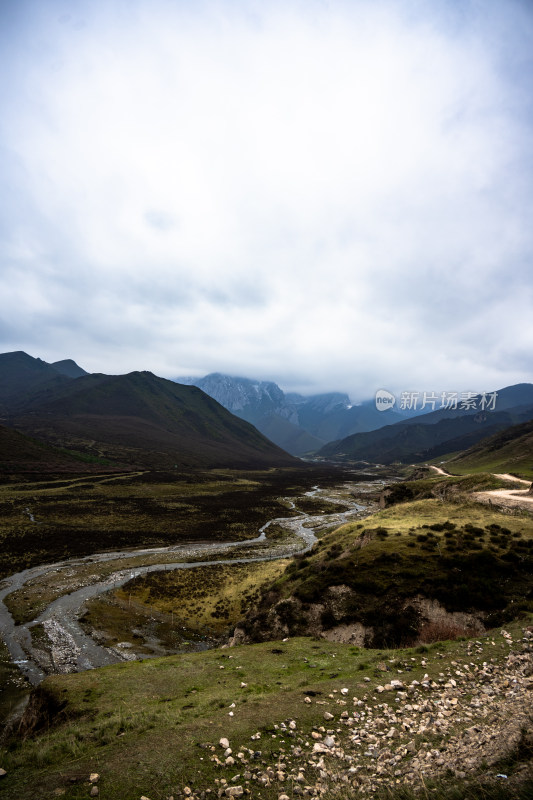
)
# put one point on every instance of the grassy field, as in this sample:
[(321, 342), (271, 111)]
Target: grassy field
[(522, 468), (455, 487), (180, 607), (151, 728)]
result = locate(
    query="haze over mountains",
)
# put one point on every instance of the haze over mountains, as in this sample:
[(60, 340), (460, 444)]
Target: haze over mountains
[(141, 420), (296, 423)]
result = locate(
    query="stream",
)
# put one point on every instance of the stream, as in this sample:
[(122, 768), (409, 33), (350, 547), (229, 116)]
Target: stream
[(76, 651)]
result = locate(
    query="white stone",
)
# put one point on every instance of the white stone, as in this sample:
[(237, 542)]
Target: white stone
[(234, 791)]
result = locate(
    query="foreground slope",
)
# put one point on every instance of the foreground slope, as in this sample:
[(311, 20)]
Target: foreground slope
[(302, 718), (142, 419)]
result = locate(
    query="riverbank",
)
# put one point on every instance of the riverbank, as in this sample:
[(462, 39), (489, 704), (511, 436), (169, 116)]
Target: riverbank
[(61, 645)]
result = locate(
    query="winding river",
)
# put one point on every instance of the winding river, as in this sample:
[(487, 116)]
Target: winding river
[(60, 618)]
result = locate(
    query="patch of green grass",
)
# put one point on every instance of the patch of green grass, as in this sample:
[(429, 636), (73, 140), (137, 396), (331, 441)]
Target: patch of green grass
[(182, 604), (452, 488)]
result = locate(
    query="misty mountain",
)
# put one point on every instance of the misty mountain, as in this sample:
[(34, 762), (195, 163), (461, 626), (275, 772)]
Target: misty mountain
[(297, 423)]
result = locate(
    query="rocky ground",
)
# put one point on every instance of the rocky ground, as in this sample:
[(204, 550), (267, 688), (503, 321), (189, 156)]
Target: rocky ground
[(476, 720)]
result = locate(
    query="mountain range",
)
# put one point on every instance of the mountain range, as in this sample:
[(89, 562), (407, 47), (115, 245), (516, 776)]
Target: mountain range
[(297, 423), (437, 433), (141, 420), (137, 419)]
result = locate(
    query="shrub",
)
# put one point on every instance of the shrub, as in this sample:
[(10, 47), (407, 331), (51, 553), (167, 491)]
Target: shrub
[(438, 631)]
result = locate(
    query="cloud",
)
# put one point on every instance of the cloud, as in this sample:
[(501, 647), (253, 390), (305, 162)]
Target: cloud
[(333, 195)]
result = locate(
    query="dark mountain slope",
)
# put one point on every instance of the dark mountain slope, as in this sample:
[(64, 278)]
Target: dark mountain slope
[(69, 368), (20, 454), (510, 397), (140, 418), (21, 373), (290, 437), (416, 441)]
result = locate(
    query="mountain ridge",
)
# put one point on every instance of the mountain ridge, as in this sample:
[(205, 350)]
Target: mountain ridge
[(133, 419), (437, 433)]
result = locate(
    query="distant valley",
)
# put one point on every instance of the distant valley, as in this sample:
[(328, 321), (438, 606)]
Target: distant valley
[(297, 423), (438, 434)]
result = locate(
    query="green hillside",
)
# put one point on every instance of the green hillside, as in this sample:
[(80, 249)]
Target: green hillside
[(302, 718), (370, 577), (142, 419), (509, 451)]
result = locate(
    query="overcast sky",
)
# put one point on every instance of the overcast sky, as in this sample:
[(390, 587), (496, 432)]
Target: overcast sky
[(331, 195)]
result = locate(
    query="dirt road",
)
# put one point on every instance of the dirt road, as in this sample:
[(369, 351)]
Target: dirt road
[(507, 498)]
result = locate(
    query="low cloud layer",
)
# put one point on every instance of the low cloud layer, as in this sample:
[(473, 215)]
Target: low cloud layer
[(333, 195)]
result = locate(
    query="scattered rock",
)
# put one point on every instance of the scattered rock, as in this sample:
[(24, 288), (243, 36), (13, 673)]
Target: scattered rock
[(460, 721)]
